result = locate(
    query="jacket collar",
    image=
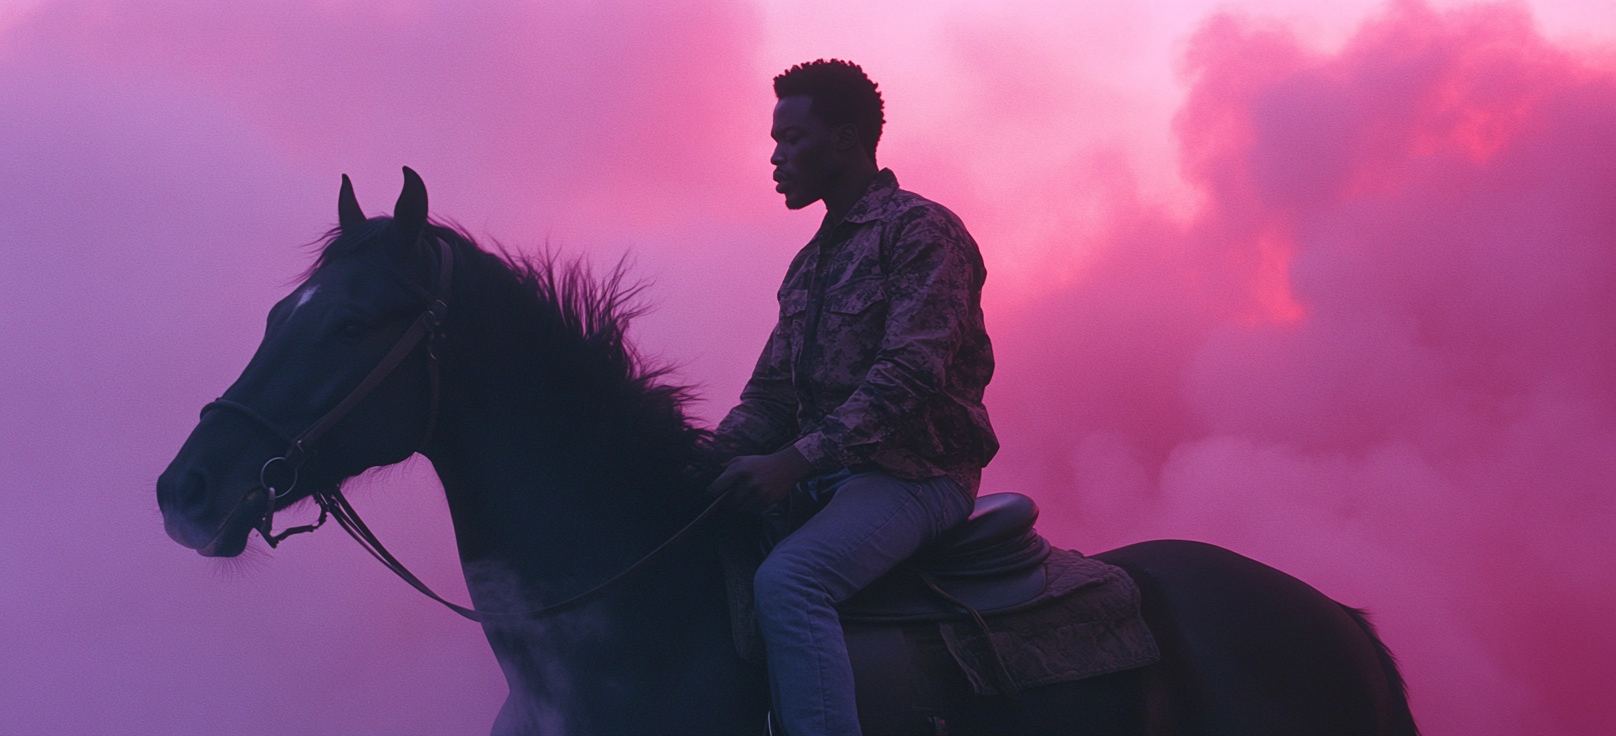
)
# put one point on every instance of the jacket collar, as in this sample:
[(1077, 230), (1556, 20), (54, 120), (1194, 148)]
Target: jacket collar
[(877, 200)]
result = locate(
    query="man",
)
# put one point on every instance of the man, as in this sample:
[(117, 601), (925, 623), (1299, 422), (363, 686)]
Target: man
[(868, 396)]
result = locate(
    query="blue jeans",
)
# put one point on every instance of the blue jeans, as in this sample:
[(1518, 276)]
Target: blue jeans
[(871, 521)]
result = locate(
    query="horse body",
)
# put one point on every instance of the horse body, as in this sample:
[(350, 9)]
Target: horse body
[(564, 462), (1249, 649)]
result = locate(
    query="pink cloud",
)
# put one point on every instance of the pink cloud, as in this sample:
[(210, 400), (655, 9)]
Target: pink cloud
[(1380, 356)]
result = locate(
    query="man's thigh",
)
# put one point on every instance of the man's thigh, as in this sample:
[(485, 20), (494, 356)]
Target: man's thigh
[(872, 522)]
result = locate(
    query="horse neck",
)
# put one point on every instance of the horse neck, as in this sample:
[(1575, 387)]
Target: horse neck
[(555, 489), (544, 476)]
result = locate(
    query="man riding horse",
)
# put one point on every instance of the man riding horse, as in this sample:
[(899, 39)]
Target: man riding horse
[(866, 403), (563, 465)]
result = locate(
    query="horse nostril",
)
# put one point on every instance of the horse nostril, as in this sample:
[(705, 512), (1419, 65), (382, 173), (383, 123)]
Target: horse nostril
[(188, 492)]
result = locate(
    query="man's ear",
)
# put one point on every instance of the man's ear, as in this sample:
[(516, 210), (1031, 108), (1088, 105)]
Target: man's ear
[(846, 137)]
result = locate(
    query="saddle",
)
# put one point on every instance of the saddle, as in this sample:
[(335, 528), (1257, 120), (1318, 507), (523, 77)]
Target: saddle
[(1012, 612), (992, 562)]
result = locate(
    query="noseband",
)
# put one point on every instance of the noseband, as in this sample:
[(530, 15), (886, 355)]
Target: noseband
[(279, 475)]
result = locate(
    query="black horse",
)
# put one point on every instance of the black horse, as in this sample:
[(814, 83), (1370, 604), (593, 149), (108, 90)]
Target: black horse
[(565, 461)]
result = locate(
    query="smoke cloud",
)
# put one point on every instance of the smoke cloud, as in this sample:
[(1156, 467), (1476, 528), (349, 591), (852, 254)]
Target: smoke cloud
[(1331, 287), (1380, 355)]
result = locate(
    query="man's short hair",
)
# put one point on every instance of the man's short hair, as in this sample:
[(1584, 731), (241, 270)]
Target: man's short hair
[(841, 94)]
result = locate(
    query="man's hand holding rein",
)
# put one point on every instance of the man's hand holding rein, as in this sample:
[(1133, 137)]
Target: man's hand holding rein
[(756, 482)]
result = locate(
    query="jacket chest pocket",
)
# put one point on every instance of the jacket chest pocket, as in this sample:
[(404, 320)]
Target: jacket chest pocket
[(856, 297), (793, 302), (793, 307)]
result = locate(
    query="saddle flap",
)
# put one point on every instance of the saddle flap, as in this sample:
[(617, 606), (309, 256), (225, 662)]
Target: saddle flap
[(1087, 623)]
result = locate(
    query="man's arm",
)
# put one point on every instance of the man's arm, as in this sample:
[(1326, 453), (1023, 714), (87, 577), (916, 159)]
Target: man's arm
[(766, 418), (934, 277), (764, 422)]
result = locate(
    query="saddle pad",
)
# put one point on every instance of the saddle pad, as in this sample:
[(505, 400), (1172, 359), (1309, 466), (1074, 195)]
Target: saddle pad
[(1086, 623)]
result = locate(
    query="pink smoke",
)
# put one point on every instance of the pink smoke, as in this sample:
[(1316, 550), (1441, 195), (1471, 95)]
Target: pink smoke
[(1350, 314), (1382, 354)]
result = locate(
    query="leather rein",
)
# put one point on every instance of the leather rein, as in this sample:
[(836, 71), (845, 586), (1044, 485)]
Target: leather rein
[(279, 475)]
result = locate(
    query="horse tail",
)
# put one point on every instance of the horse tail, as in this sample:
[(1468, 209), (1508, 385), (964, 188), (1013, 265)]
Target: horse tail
[(1400, 721)]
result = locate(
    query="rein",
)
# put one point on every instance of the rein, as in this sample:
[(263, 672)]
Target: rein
[(299, 448)]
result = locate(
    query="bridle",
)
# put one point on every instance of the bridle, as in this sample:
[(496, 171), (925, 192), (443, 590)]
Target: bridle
[(279, 475)]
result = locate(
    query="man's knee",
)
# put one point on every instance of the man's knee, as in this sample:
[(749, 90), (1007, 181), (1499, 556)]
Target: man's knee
[(786, 580)]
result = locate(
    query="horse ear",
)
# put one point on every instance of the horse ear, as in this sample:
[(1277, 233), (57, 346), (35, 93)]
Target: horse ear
[(409, 215), (348, 213)]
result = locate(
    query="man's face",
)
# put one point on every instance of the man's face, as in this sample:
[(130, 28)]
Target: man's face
[(806, 159)]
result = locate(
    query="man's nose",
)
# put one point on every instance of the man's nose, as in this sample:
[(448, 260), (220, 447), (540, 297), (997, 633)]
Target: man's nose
[(778, 157)]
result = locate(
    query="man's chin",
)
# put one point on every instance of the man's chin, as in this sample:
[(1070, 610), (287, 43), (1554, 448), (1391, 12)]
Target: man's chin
[(797, 203)]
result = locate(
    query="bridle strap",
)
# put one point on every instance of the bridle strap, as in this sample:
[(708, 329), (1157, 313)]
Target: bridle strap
[(428, 324), (347, 518), (249, 413)]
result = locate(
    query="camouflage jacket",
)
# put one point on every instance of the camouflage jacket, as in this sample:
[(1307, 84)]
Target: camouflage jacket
[(880, 355)]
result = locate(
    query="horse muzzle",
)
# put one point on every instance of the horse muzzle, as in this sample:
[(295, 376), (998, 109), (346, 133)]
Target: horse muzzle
[(212, 536)]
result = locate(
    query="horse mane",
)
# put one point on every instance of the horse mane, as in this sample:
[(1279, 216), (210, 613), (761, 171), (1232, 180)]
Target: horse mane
[(579, 321)]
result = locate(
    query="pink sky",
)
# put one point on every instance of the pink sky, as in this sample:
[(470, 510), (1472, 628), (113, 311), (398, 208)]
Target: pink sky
[(1330, 284)]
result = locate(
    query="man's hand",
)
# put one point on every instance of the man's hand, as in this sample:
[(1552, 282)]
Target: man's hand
[(756, 482)]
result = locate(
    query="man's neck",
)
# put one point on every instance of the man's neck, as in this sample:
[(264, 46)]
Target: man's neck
[(847, 192)]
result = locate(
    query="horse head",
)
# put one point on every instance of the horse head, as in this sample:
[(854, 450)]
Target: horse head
[(310, 409)]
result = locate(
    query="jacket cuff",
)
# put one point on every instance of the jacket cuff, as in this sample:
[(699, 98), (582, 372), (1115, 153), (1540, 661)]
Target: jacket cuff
[(815, 448)]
